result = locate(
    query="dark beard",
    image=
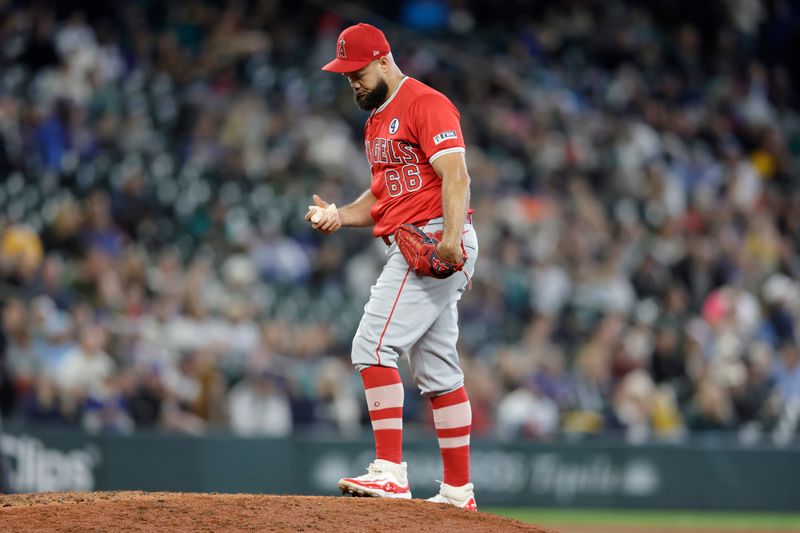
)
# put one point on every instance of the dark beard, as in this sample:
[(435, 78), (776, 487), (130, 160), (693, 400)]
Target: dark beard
[(373, 99)]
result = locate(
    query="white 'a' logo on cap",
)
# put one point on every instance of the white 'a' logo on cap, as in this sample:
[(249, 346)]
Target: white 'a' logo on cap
[(340, 53)]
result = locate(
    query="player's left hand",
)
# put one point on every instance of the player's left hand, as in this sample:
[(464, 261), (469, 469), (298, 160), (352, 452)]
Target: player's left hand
[(422, 253), (451, 254)]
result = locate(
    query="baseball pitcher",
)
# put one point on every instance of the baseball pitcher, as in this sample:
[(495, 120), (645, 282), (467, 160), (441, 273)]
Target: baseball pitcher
[(418, 204)]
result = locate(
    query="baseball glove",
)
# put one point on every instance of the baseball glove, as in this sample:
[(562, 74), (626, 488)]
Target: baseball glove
[(419, 249)]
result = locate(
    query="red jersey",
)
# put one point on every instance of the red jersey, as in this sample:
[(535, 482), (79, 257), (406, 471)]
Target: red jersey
[(416, 125)]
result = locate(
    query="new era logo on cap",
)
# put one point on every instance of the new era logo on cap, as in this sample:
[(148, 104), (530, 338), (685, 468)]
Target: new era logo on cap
[(357, 47)]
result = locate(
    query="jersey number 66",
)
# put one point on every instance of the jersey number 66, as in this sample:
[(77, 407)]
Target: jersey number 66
[(397, 184)]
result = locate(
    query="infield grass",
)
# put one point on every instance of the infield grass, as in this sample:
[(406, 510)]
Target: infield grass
[(735, 521)]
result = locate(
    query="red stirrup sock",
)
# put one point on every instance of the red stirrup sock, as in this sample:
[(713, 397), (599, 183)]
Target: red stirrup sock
[(384, 391), (452, 416)]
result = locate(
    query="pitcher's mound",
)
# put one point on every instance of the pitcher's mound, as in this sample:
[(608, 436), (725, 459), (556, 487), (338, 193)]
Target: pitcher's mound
[(170, 511)]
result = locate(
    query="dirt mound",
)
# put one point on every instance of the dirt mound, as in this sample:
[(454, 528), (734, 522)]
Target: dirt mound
[(168, 511)]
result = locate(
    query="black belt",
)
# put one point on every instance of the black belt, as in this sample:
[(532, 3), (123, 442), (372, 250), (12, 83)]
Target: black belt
[(388, 239)]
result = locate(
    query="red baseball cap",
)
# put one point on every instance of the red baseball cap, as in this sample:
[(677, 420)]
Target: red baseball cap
[(356, 47)]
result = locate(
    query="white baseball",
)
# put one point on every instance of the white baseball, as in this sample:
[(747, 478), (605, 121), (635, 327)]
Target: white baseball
[(321, 212)]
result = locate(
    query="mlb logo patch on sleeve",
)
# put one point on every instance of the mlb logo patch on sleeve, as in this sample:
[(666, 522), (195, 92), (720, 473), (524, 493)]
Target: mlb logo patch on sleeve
[(449, 134)]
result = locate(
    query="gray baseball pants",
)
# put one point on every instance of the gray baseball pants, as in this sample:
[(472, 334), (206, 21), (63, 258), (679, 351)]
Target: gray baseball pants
[(416, 316)]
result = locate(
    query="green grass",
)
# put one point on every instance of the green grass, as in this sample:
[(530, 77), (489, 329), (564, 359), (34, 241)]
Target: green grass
[(735, 521)]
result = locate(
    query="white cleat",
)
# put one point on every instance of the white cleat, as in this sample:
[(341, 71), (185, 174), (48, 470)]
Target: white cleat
[(462, 497), (383, 479)]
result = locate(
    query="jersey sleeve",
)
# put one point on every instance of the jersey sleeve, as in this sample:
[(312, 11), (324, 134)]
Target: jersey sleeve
[(437, 125)]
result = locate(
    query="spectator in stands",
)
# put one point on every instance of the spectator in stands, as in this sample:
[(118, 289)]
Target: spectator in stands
[(85, 367), (260, 406)]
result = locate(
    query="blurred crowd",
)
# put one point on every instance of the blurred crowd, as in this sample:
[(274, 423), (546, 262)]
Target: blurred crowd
[(635, 171)]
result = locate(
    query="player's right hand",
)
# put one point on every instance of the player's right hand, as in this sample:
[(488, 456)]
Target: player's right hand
[(324, 217)]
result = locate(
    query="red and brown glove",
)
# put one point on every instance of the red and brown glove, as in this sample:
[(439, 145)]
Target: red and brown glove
[(420, 252)]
